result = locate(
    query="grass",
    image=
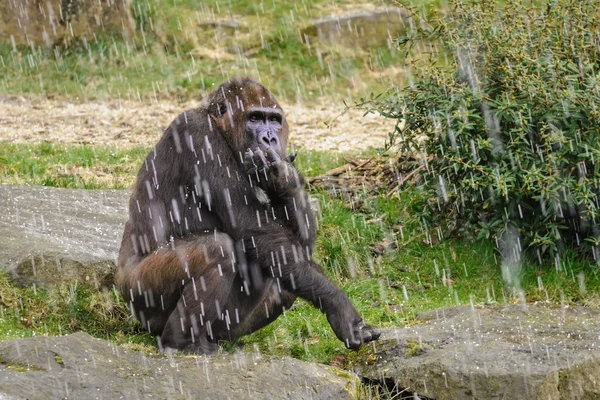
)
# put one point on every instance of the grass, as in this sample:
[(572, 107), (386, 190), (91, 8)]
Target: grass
[(173, 56), (179, 58), (101, 167), (32, 311), (387, 289), (81, 167)]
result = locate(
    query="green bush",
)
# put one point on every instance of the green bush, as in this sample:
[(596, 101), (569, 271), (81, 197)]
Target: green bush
[(509, 106)]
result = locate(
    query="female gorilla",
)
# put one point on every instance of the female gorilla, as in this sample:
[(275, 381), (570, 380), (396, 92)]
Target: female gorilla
[(220, 231)]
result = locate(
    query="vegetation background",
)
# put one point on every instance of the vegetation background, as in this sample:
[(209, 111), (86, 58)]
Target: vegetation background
[(396, 247)]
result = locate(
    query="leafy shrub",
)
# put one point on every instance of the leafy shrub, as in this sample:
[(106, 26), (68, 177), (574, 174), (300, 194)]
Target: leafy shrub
[(510, 109)]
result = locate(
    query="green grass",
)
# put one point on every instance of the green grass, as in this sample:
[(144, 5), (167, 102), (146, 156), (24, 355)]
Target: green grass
[(177, 59), (284, 66), (102, 167), (27, 312), (69, 166), (388, 290)]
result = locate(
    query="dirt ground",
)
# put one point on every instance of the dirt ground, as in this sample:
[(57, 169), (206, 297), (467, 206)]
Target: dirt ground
[(125, 123)]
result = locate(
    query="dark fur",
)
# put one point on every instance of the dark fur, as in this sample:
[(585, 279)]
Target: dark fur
[(203, 258)]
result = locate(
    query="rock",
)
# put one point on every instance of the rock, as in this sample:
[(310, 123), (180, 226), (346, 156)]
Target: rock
[(51, 236), (492, 352), (44, 23), (81, 367), (218, 36), (223, 27), (362, 28)]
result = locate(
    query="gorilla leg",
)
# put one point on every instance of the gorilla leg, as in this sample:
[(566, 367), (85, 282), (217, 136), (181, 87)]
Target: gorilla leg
[(182, 285), (199, 309), (253, 315), (218, 304)]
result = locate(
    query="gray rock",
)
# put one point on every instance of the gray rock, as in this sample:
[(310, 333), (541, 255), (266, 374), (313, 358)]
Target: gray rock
[(51, 236), (492, 352), (228, 35), (362, 28), (81, 367), (226, 27)]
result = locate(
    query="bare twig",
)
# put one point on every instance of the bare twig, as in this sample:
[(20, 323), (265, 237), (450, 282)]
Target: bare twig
[(404, 179)]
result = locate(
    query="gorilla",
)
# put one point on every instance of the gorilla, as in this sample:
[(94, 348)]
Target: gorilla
[(220, 234)]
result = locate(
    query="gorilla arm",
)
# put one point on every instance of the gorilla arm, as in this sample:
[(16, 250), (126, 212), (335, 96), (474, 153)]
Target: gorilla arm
[(284, 254), (284, 186)]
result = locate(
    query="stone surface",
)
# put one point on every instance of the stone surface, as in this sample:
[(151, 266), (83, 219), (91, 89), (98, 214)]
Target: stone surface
[(223, 27), (361, 28), (51, 235), (492, 352), (78, 366), (45, 23), (216, 35)]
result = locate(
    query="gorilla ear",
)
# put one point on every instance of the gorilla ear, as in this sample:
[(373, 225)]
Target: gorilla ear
[(219, 118)]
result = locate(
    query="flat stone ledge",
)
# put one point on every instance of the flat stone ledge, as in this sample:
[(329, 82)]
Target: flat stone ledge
[(52, 235), (492, 352), (79, 366)]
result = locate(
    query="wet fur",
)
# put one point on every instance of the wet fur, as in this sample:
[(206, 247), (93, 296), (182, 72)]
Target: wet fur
[(212, 253)]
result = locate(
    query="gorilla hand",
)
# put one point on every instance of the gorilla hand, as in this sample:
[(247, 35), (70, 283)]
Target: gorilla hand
[(350, 328), (271, 173)]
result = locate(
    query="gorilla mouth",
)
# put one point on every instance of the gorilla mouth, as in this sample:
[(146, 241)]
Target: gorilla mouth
[(265, 148)]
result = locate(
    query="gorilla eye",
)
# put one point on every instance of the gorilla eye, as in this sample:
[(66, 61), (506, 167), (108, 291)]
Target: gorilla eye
[(274, 119), (222, 109), (252, 118)]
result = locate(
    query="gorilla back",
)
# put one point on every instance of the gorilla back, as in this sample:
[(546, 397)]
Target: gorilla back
[(220, 233)]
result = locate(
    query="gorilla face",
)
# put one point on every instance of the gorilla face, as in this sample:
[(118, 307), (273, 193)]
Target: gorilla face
[(263, 129)]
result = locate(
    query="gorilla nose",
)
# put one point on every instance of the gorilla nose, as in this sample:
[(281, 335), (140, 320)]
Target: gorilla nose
[(268, 139)]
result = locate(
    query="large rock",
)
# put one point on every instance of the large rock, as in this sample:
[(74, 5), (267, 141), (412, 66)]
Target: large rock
[(493, 352), (51, 236), (34, 23), (81, 367), (361, 28)]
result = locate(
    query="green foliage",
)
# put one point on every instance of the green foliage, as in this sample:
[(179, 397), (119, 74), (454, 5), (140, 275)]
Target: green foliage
[(510, 125)]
